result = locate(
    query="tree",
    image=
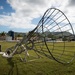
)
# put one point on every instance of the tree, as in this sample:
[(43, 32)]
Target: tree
[(19, 35), (3, 33)]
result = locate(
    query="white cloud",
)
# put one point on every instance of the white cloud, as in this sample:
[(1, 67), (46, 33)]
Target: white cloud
[(71, 3), (1, 7), (27, 10)]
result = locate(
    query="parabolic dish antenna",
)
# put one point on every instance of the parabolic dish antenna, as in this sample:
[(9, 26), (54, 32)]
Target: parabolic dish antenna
[(52, 38)]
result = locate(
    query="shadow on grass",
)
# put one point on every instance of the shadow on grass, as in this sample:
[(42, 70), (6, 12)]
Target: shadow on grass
[(12, 66)]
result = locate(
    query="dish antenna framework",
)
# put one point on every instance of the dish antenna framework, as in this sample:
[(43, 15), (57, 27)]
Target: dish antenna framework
[(51, 37)]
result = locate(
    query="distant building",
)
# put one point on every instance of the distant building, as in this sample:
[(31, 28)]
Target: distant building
[(8, 38), (2, 37), (19, 38), (12, 34)]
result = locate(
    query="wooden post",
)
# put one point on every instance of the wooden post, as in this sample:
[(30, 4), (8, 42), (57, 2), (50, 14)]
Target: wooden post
[(0, 48)]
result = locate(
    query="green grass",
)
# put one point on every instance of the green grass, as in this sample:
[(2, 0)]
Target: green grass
[(42, 66)]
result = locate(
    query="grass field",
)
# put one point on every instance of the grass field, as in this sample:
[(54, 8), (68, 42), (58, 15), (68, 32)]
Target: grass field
[(42, 66)]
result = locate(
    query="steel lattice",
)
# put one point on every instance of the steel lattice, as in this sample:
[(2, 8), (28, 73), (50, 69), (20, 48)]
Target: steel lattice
[(52, 38)]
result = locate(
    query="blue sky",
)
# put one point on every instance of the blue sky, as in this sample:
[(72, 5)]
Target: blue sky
[(24, 15), (6, 7)]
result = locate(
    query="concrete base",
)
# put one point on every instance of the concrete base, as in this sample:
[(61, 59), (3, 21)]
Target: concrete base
[(1, 52)]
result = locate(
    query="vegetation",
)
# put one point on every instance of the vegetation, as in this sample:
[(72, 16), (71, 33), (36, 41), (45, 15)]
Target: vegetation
[(42, 66), (2, 33)]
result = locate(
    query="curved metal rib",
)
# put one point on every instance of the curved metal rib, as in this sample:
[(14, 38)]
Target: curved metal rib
[(51, 38)]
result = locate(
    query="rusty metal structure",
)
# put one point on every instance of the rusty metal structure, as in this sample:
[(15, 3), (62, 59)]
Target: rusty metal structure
[(52, 38)]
